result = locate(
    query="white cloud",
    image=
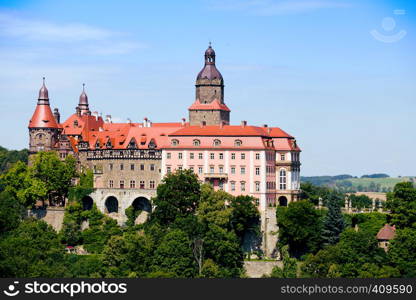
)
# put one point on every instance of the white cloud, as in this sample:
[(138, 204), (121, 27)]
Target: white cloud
[(272, 7), (15, 27)]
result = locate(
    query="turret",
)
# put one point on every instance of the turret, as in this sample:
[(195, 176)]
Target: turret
[(83, 102), (43, 126)]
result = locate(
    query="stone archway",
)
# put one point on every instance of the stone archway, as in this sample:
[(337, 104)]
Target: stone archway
[(142, 203), (111, 205), (87, 203), (282, 201)]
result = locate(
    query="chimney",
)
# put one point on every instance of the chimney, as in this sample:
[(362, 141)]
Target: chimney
[(57, 115), (203, 123), (243, 123), (95, 114), (183, 121), (265, 125), (108, 119), (145, 122), (149, 123)]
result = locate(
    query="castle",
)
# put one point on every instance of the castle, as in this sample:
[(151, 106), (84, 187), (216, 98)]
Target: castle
[(130, 159)]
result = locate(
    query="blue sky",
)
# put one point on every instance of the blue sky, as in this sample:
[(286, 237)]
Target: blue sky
[(313, 68)]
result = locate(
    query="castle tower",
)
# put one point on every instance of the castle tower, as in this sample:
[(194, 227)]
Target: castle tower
[(209, 106), (83, 102), (43, 127)]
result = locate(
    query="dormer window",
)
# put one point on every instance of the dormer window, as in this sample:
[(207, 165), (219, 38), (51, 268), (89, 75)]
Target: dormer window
[(152, 144), (175, 142), (97, 144), (76, 123), (197, 143), (132, 144), (109, 145), (238, 143), (217, 143)]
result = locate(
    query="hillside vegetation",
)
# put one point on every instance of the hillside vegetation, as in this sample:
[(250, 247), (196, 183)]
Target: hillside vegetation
[(9, 157), (367, 183)]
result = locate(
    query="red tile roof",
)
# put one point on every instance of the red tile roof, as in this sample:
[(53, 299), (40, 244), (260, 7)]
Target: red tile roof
[(214, 105), (387, 232), (43, 117), (229, 130)]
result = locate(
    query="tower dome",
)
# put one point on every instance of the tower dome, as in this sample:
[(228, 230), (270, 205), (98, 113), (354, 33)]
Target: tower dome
[(209, 71), (83, 101)]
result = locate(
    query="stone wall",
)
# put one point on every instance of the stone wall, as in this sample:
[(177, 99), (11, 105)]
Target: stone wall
[(54, 216), (256, 269)]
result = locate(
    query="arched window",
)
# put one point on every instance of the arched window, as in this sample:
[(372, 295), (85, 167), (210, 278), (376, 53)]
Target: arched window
[(197, 143), (238, 143), (175, 142), (282, 179), (217, 143)]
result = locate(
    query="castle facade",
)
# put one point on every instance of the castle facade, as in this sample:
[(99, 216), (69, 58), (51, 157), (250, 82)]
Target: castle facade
[(130, 159)]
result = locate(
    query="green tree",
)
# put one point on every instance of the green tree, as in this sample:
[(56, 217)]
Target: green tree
[(174, 255), (245, 216), (402, 252), (32, 250), (11, 212), (402, 203), (9, 157), (177, 196), (290, 266), (333, 222), (300, 227)]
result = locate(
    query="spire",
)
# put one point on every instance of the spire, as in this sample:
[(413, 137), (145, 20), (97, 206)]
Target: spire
[(43, 117), (43, 94), (83, 101)]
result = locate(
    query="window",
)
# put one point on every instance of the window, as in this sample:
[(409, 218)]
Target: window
[(282, 179), (217, 143), (238, 143), (168, 170), (110, 166), (132, 184), (121, 167), (142, 184), (110, 184), (232, 170), (257, 186), (282, 157), (191, 168), (142, 167), (243, 156), (132, 167), (221, 155), (257, 156), (168, 155), (211, 155), (196, 143), (122, 184), (221, 169), (200, 155), (152, 167), (257, 171), (180, 155), (232, 185), (180, 168), (175, 142), (191, 155), (243, 170), (211, 169), (152, 184), (243, 186), (232, 155), (200, 170), (221, 185)]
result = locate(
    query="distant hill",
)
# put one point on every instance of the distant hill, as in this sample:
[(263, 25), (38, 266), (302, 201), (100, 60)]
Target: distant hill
[(367, 183), (9, 157)]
